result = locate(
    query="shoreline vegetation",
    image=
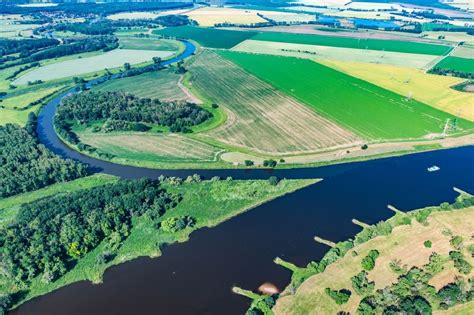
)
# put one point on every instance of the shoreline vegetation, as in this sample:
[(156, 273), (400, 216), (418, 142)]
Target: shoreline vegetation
[(430, 249), (148, 232)]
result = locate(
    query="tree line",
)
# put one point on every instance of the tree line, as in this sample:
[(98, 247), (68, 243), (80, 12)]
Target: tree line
[(26, 165), (70, 47), (24, 46)]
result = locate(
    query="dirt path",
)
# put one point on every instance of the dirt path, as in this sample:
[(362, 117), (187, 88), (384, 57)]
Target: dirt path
[(191, 97)]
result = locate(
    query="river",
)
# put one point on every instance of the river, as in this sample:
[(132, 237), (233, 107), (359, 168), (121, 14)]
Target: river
[(196, 277)]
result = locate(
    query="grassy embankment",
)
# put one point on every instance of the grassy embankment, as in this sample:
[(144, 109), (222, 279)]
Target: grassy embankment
[(9, 206), (405, 243), (369, 110), (223, 200)]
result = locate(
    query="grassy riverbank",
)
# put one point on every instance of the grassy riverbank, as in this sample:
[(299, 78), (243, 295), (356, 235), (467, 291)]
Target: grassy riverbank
[(208, 202)]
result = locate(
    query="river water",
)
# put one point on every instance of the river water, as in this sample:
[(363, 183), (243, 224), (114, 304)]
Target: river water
[(196, 277)]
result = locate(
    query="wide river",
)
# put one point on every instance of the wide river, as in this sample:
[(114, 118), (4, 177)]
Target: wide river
[(196, 277)]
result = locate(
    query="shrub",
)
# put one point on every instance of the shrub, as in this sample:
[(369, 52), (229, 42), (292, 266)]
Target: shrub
[(269, 163), (340, 297), (361, 284), (248, 162), (273, 180), (175, 224), (364, 147), (456, 242), (462, 265), (368, 262), (427, 244)]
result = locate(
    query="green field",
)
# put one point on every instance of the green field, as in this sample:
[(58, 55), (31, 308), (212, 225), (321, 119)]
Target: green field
[(224, 199), (457, 64), (207, 37), (149, 43), (161, 84), (371, 44), (369, 110)]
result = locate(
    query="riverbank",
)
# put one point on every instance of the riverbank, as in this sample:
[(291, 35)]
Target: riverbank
[(208, 202), (408, 244)]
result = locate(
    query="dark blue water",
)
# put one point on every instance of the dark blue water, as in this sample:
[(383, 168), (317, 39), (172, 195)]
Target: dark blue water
[(196, 277)]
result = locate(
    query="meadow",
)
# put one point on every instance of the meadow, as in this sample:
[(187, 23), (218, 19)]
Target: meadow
[(260, 118), (161, 84), (347, 42), (431, 89), (149, 43), (334, 53), (207, 37), (369, 110), (112, 59), (464, 65)]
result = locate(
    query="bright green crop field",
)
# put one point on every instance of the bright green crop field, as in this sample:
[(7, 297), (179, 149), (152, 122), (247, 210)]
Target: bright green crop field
[(457, 64), (347, 42), (207, 37), (367, 109)]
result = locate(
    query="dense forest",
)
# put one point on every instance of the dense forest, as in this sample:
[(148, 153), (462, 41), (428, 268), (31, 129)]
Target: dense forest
[(46, 238), (121, 109), (26, 165)]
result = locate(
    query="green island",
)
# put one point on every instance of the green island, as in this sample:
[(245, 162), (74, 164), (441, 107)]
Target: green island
[(416, 262)]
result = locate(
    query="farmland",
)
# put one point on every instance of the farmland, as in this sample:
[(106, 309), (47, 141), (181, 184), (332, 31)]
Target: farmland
[(162, 85), (371, 44), (408, 245), (111, 59), (213, 38), (149, 43), (257, 111), (464, 65), (334, 53), (135, 148), (369, 110), (430, 89), (211, 16)]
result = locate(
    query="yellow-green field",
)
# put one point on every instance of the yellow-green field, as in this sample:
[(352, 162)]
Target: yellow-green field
[(334, 53), (211, 16), (430, 89), (405, 245)]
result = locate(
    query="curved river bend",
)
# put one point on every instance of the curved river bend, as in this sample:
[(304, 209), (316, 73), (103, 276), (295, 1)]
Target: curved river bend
[(196, 277)]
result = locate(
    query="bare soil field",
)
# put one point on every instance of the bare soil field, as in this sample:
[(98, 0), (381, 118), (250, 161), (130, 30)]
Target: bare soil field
[(260, 117)]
